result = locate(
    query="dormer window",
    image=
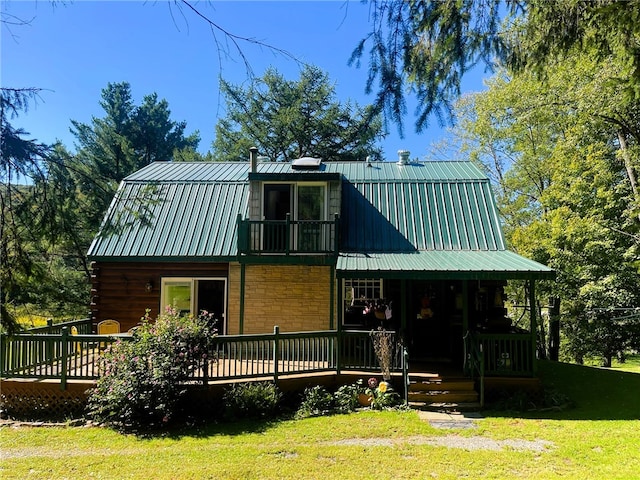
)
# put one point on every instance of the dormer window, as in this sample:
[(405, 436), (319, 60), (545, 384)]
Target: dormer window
[(304, 204)]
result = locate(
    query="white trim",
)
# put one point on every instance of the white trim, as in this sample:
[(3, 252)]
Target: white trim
[(193, 297)]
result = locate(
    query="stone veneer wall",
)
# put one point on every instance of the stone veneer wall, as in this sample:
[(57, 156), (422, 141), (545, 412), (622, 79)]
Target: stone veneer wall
[(294, 297)]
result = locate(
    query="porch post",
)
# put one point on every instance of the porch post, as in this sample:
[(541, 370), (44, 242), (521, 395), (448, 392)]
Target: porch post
[(340, 306), (403, 306), (465, 307), (534, 326)]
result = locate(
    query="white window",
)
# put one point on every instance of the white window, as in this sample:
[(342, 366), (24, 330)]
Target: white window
[(361, 290), (193, 295), (358, 292)]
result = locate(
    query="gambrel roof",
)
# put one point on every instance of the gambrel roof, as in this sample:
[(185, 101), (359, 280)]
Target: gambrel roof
[(423, 219)]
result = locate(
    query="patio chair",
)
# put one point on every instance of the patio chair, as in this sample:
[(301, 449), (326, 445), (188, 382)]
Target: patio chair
[(107, 327), (74, 332)]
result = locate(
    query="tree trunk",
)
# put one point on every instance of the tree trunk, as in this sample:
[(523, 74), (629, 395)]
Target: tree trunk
[(554, 329), (628, 165)]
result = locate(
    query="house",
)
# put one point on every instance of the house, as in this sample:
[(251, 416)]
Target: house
[(412, 246)]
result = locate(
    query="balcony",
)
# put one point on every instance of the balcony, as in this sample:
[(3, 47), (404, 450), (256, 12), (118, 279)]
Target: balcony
[(288, 237)]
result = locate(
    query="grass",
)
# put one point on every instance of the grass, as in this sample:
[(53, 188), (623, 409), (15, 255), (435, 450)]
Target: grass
[(598, 438)]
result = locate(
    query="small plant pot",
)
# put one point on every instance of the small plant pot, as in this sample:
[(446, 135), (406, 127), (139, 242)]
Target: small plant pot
[(364, 399)]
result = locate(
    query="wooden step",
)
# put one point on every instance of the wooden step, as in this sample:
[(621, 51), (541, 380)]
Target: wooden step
[(447, 407), (444, 396), (449, 384)]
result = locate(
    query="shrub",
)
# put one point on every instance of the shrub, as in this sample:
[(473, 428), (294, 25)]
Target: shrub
[(251, 400), (346, 398), (141, 379), (317, 401)]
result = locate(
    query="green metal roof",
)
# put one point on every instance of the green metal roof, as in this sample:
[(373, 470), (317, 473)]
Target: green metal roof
[(172, 219), (418, 214), (441, 264), (422, 219)]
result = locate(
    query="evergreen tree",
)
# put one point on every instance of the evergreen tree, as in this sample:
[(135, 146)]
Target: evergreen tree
[(293, 119), (126, 139)]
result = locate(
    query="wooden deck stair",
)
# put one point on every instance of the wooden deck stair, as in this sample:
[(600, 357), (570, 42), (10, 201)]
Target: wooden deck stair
[(434, 392)]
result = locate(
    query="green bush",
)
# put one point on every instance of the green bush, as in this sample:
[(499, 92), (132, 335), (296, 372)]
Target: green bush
[(317, 401), (346, 398), (142, 379), (251, 400)]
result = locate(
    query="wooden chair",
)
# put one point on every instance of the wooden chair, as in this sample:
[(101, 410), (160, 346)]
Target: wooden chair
[(74, 332), (106, 327)]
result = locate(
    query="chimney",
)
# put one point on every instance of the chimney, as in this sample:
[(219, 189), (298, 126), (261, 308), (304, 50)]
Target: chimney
[(253, 159), (403, 157)]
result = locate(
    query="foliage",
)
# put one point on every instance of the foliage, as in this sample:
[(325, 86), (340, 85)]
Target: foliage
[(141, 379), (37, 227), (126, 139), (382, 394), (426, 47), (251, 400), (292, 119), (345, 398), (52, 201), (564, 162), (317, 401)]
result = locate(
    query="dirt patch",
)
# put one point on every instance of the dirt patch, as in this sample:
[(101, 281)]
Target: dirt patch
[(450, 441)]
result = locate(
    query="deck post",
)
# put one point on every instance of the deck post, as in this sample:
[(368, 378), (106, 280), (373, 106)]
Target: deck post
[(276, 352), (65, 352), (288, 234), (405, 374)]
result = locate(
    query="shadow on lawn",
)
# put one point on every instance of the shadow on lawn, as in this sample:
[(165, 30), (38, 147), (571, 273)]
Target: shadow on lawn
[(209, 429), (595, 393)]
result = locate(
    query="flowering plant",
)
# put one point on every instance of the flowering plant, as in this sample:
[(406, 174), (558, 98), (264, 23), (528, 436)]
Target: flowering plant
[(379, 308), (140, 381), (381, 394)]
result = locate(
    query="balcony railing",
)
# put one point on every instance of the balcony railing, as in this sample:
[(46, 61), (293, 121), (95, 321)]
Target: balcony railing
[(288, 237)]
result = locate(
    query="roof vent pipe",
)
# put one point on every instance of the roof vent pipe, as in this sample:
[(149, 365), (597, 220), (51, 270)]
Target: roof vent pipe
[(403, 157), (253, 159)]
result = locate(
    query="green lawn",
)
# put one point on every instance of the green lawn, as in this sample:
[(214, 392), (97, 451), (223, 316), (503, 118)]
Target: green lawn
[(598, 438)]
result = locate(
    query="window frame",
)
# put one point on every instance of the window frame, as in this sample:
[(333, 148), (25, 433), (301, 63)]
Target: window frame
[(193, 299)]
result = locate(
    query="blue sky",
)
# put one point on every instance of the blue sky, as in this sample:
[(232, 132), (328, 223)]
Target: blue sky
[(73, 50)]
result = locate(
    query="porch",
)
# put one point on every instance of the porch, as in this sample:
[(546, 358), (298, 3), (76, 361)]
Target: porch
[(63, 366)]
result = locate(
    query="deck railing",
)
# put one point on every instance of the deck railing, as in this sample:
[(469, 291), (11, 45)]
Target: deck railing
[(502, 354), (52, 356), (288, 237), (83, 326), (65, 357), (474, 361)]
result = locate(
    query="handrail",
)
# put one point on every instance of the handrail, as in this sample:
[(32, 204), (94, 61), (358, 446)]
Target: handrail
[(83, 325), (64, 356), (474, 360)]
